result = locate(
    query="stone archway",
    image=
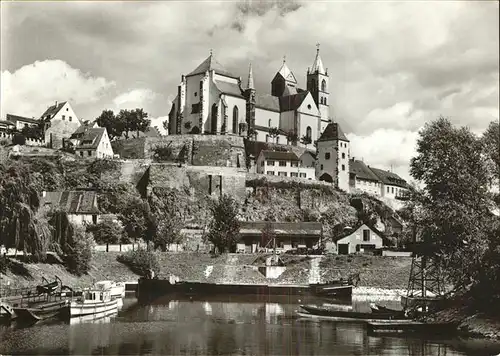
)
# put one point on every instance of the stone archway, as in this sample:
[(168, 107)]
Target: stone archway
[(326, 178)]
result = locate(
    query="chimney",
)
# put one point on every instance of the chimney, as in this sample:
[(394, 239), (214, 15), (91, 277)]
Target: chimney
[(56, 103)]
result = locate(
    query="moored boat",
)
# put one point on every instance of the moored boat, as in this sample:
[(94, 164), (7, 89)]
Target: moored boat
[(117, 289), (93, 301), (380, 309), (42, 311), (345, 315)]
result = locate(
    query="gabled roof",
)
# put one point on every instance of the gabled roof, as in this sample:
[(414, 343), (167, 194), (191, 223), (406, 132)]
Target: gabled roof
[(362, 171), (232, 89), (91, 138), (255, 228), (389, 178), (267, 102), (210, 64), (356, 227), (292, 102), (280, 155), (16, 118), (52, 110), (71, 202), (333, 132), (318, 64), (286, 74), (83, 128)]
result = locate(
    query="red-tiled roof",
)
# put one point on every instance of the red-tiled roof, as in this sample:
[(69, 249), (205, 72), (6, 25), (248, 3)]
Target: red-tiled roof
[(210, 64), (333, 132), (280, 156), (72, 202), (16, 118), (52, 110)]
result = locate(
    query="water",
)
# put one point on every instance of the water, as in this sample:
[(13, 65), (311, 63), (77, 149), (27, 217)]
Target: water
[(219, 326)]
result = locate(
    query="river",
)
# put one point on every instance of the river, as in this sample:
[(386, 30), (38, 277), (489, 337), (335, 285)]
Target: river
[(221, 326)]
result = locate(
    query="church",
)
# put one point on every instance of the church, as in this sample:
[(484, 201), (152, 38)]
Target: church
[(211, 100)]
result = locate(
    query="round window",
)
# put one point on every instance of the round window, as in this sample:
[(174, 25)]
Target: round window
[(309, 106)]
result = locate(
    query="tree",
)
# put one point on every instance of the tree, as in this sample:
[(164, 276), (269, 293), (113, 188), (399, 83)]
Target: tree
[(165, 206), (107, 231), (137, 219), (114, 126), (453, 208), (79, 251), (274, 132), (305, 140), (491, 147), (133, 120), (165, 125), (267, 235), (292, 137), (21, 225), (224, 228), (34, 132)]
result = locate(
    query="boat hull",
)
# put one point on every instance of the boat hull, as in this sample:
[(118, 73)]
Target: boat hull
[(82, 309), (313, 310), (42, 311), (308, 316)]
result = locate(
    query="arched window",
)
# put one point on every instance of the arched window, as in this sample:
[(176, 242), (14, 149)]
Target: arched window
[(323, 85), (269, 123), (235, 119), (324, 101), (309, 132)]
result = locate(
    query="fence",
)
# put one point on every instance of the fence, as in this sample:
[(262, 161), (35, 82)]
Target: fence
[(119, 248)]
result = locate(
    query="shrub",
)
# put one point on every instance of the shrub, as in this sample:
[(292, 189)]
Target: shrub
[(79, 252), (163, 153), (140, 261), (19, 139)]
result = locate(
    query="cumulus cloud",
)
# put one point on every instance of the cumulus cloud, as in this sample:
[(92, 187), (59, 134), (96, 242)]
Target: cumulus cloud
[(136, 98), (32, 88)]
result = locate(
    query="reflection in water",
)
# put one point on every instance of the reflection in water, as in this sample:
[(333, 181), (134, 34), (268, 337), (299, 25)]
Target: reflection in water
[(104, 317), (211, 327)]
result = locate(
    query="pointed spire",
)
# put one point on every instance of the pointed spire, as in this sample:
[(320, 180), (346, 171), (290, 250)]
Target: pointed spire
[(250, 77), (318, 63)]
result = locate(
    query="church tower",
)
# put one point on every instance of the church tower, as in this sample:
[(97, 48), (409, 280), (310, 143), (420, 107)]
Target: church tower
[(284, 82), (250, 105), (317, 84)]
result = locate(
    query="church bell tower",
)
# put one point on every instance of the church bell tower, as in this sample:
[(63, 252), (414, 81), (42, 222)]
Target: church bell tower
[(318, 85)]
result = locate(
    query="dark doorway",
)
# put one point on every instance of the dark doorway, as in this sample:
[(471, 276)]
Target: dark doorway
[(214, 120), (343, 249), (326, 178)]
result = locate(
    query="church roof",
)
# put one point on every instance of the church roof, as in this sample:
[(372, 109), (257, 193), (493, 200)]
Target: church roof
[(362, 171), (333, 132), (267, 102), (210, 64), (318, 64), (250, 78), (229, 88), (292, 102), (286, 73)]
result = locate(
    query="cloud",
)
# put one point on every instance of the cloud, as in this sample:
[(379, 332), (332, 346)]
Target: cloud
[(136, 98), (158, 122), (32, 88)]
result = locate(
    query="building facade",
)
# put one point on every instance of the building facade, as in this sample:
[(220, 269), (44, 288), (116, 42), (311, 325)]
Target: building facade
[(284, 164), (60, 123), (360, 239), (92, 143)]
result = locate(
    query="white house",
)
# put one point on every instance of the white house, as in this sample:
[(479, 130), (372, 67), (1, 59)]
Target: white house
[(81, 206), (285, 164), (393, 185), (362, 238), (362, 178), (20, 122), (92, 143), (60, 123)]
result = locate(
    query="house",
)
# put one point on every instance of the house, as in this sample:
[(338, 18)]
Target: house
[(6, 129), (393, 185), (288, 235), (284, 164), (20, 122), (360, 239), (362, 178), (81, 206), (308, 159), (92, 142), (60, 122)]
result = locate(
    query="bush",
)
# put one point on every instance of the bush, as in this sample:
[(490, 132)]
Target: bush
[(140, 261), (19, 139), (79, 252)]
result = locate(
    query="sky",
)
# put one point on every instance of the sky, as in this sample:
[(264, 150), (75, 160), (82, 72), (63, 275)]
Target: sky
[(393, 66)]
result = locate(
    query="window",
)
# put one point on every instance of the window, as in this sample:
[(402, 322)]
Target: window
[(70, 118), (327, 155), (235, 119), (282, 163), (195, 94), (321, 167), (323, 85), (195, 108), (269, 123), (67, 109), (63, 117), (94, 219), (282, 174), (366, 235), (309, 132), (302, 175), (294, 174), (81, 154), (294, 164), (324, 101), (392, 190), (270, 173), (277, 140), (343, 167), (262, 164), (343, 155), (270, 163), (267, 138), (89, 153), (387, 189), (309, 106)]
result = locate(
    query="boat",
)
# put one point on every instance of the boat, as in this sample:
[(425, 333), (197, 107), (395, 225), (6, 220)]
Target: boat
[(340, 291), (104, 317), (410, 327), (345, 315), (117, 289), (94, 300), (380, 309), (42, 311)]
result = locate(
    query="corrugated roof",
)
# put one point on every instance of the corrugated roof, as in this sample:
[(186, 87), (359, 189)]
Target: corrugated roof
[(267, 102), (292, 102), (389, 178), (52, 110), (210, 64), (91, 138), (72, 202), (229, 88), (16, 118), (362, 171), (333, 132), (280, 156), (281, 228)]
